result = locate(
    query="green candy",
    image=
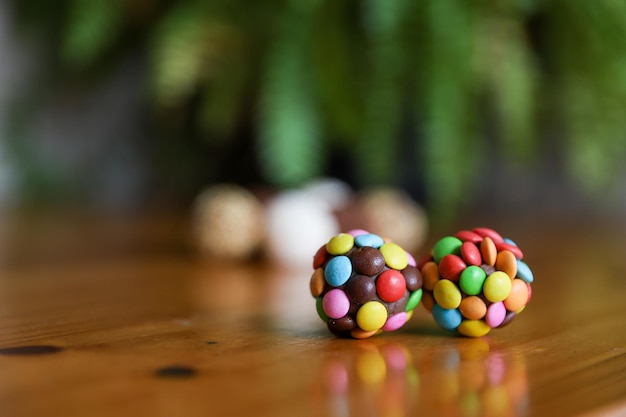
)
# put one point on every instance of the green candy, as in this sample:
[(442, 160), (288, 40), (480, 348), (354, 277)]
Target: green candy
[(320, 308), (472, 280), (446, 246), (414, 300)]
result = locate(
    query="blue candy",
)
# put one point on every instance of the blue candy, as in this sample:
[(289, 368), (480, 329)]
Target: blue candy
[(524, 272), (448, 319), (369, 239), (338, 271)]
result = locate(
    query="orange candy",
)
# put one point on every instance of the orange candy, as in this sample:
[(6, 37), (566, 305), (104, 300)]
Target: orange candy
[(518, 297), (473, 308), (430, 273), (488, 251), (506, 262)]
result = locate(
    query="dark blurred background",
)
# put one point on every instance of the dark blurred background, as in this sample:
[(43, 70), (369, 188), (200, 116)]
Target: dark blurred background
[(512, 104)]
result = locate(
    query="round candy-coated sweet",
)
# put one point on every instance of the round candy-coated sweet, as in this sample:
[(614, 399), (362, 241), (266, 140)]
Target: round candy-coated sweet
[(469, 236), (488, 251), (451, 266), (518, 297), (501, 246), (472, 280), (358, 232), (524, 272), (473, 328), (447, 295), (395, 322), (497, 287), (371, 316), (471, 254), (413, 278), (473, 308), (446, 246), (495, 314), (320, 257), (395, 256), (317, 283), (364, 284), (342, 325), (506, 262), (340, 244), (430, 273), (369, 239), (338, 271), (362, 334), (479, 275), (449, 319), (360, 289), (410, 259), (414, 300), (368, 261), (336, 303), (319, 306), (390, 285), (490, 233)]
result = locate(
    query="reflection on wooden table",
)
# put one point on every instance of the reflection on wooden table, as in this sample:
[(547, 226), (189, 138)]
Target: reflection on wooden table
[(116, 316)]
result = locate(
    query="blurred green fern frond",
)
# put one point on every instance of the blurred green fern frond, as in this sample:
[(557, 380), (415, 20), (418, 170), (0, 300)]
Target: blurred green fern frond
[(440, 80), (289, 133), (90, 28)]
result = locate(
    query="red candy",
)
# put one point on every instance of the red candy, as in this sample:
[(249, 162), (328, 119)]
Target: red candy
[(475, 281), (451, 267), (390, 285), (320, 257), (471, 253), (490, 233), (469, 236), (500, 246)]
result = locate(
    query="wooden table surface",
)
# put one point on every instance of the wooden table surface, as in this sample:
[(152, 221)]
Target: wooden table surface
[(116, 316)]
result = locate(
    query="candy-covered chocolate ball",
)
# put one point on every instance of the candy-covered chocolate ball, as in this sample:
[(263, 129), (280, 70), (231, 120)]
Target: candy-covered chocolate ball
[(364, 284), (475, 281)]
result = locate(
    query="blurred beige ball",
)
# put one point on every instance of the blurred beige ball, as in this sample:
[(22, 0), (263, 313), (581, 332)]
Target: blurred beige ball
[(391, 213), (228, 222)]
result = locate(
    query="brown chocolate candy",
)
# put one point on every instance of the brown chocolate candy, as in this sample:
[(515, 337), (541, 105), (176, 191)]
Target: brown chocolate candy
[(360, 289), (368, 261), (341, 326), (413, 277)]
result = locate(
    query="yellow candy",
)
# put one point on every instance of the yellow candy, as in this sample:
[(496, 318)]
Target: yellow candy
[(473, 328), (340, 244), (497, 287), (395, 256), (447, 295), (371, 316)]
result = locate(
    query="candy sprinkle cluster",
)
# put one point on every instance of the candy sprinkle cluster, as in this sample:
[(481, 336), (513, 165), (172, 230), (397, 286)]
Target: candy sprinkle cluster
[(364, 285), (475, 281)]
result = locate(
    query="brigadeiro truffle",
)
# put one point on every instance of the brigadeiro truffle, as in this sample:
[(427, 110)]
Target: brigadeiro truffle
[(475, 281), (364, 284)]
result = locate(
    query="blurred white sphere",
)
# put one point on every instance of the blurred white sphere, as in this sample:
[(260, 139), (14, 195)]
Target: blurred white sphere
[(297, 224), (331, 191)]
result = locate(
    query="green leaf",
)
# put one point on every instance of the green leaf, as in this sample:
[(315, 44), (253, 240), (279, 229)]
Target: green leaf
[(91, 27), (289, 136)]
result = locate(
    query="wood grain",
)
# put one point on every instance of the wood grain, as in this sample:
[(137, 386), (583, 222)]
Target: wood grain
[(116, 315)]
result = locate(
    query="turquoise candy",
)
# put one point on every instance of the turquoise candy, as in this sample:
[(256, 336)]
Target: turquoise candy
[(524, 272), (448, 319), (338, 271), (369, 239)]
